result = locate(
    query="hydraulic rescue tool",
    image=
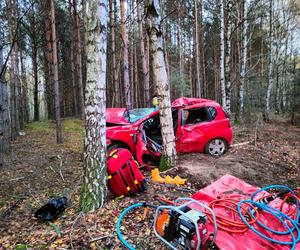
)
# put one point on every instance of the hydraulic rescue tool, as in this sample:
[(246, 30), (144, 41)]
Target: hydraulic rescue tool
[(183, 225)]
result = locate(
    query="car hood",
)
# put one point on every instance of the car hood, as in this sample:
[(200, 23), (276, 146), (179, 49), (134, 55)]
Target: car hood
[(116, 116)]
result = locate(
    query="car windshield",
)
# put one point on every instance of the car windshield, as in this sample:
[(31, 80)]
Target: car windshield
[(134, 115)]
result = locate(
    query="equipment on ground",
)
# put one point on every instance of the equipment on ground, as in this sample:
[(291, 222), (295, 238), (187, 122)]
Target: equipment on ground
[(167, 180), (183, 225), (124, 177)]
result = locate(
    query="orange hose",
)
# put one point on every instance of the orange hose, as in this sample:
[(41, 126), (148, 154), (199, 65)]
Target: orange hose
[(229, 224)]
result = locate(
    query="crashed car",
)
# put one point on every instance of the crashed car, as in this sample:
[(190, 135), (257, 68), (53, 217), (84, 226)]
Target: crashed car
[(200, 125)]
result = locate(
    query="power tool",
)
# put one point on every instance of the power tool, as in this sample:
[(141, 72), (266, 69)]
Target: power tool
[(183, 225)]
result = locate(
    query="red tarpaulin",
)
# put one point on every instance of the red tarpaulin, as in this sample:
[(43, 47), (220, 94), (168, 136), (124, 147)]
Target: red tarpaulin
[(231, 187)]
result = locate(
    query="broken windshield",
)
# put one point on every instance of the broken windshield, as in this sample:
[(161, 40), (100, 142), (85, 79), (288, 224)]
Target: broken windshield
[(134, 115)]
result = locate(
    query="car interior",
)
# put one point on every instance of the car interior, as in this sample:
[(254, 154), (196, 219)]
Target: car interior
[(152, 131)]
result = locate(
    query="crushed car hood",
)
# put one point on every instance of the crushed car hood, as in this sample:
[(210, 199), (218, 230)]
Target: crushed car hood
[(116, 116)]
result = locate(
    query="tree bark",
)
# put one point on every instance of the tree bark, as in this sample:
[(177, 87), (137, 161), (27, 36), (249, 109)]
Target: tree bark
[(266, 114), (78, 61), (228, 59), (244, 61), (34, 54), (116, 91), (198, 68), (222, 55), (94, 188), (85, 39), (71, 32), (161, 81), (49, 82), (59, 138), (4, 112), (143, 57), (127, 88)]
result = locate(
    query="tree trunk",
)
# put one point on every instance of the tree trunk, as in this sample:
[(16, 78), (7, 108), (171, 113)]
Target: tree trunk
[(49, 83), (244, 61), (198, 68), (25, 107), (116, 92), (94, 188), (34, 54), (4, 112), (78, 61), (228, 58), (222, 55), (266, 114), (161, 81), (127, 88), (143, 57), (85, 39), (14, 76), (71, 32), (59, 138)]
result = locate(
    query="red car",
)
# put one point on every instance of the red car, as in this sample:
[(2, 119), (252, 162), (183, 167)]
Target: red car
[(200, 125)]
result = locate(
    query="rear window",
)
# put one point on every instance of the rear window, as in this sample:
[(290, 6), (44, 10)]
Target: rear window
[(193, 116), (212, 112)]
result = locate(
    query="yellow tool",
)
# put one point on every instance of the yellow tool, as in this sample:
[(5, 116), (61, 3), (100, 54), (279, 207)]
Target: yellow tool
[(167, 180)]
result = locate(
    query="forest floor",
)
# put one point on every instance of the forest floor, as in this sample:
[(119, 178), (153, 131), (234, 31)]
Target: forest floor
[(38, 169)]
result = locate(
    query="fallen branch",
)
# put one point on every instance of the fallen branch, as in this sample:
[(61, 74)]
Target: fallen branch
[(18, 178), (241, 144), (60, 168), (101, 238)]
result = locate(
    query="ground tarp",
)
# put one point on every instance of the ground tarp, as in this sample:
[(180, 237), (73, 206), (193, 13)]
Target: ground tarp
[(231, 187)]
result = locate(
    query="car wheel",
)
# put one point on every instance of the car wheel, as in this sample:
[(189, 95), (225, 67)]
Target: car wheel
[(114, 146), (216, 147)]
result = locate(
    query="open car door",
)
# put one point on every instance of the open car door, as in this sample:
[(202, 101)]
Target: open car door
[(147, 149)]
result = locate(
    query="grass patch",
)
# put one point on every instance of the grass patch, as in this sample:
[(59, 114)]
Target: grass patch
[(41, 126), (72, 125), (68, 125)]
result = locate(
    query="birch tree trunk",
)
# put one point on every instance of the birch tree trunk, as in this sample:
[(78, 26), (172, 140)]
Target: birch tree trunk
[(228, 57), (127, 89), (143, 57), (94, 188), (266, 114), (78, 61), (116, 94), (161, 81), (59, 138), (222, 54), (198, 68), (244, 61)]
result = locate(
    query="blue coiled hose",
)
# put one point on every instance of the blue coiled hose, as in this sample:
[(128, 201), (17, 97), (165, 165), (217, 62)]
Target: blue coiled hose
[(121, 238), (277, 214)]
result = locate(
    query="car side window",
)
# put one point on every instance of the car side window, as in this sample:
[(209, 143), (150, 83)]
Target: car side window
[(193, 116), (212, 112)]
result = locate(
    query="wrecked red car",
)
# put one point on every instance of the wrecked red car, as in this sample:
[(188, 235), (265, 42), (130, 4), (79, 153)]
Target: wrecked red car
[(200, 125)]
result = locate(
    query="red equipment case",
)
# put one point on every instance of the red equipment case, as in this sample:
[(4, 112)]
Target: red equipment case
[(124, 176)]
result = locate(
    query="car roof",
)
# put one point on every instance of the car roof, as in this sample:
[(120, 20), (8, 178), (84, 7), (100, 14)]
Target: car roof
[(186, 102)]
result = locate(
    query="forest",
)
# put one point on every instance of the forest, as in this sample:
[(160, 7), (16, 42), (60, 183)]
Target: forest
[(65, 63)]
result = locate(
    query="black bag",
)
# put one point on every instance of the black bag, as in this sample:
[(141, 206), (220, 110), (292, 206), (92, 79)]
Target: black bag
[(51, 209)]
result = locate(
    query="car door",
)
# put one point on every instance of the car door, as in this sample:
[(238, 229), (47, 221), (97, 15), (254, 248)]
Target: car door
[(194, 129)]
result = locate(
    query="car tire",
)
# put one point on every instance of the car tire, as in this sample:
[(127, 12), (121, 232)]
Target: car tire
[(114, 146), (216, 147)]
